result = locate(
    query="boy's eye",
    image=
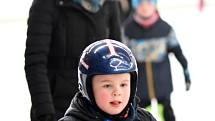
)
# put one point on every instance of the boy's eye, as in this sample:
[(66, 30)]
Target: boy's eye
[(107, 86), (123, 85)]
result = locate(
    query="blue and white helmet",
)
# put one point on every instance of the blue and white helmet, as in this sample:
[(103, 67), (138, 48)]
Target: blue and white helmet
[(105, 57)]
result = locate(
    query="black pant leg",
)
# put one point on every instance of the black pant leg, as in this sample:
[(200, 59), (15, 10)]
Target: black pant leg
[(33, 115), (168, 112)]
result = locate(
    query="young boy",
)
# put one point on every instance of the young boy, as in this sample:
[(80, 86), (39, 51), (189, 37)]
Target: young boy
[(107, 85)]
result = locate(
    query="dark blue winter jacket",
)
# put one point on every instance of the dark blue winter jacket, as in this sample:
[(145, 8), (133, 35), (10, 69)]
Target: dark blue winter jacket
[(154, 44)]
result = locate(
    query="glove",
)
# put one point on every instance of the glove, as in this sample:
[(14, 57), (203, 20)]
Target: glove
[(187, 79), (47, 117)]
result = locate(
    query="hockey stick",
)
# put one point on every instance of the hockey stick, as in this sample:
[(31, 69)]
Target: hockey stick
[(155, 108)]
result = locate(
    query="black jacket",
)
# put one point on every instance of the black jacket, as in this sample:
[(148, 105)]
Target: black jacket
[(81, 110), (58, 31), (160, 35)]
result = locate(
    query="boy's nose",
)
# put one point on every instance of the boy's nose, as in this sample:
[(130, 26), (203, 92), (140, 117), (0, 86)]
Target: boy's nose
[(116, 92)]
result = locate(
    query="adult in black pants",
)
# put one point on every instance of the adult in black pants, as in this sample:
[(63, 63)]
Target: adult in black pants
[(58, 31)]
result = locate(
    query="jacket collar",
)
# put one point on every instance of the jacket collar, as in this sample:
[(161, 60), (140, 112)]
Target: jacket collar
[(84, 110), (81, 4)]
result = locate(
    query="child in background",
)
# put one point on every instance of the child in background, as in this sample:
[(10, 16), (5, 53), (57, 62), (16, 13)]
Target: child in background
[(107, 85), (151, 40)]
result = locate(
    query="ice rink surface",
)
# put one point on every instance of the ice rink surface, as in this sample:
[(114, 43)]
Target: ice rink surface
[(195, 32)]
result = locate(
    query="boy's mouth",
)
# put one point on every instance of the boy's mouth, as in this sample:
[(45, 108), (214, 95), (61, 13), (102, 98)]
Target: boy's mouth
[(115, 103)]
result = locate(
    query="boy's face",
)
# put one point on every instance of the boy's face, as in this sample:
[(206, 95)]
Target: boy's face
[(146, 9), (111, 92)]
